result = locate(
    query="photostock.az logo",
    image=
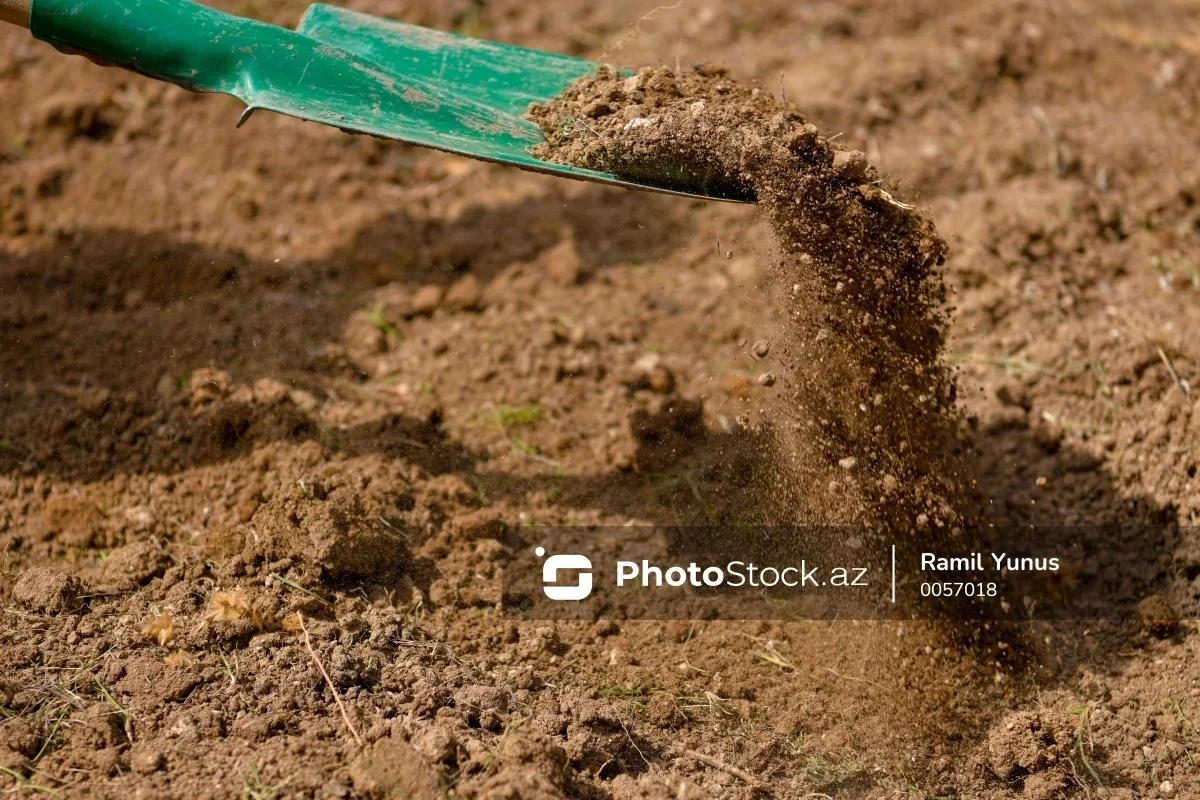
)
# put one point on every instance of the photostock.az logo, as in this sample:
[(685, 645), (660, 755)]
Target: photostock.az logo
[(550, 571)]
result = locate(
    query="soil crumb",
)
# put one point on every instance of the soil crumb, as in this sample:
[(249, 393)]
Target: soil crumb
[(863, 423)]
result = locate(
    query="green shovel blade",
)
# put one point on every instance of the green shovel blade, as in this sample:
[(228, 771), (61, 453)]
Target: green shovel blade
[(354, 71)]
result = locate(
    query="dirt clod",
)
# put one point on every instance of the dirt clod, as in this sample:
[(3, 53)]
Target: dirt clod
[(425, 300), (1157, 616), (47, 591), (135, 564), (391, 768), (1028, 742), (146, 759), (663, 710), (465, 294), (649, 373), (311, 525)]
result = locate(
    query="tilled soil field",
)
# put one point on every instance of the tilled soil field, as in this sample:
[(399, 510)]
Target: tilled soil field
[(273, 402)]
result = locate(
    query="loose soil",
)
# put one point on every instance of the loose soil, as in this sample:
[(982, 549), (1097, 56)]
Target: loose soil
[(259, 378), (866, 432)]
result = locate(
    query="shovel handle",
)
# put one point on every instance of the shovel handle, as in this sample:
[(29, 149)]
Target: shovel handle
[(177, 41), (15, 12)]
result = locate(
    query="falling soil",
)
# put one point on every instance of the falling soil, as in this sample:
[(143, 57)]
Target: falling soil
[(862, 422)]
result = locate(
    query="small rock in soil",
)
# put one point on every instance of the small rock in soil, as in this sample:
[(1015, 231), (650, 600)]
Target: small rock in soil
[(761, 348), (852, 165)]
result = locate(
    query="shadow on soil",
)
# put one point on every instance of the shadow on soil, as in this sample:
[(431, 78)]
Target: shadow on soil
[(118, 313)]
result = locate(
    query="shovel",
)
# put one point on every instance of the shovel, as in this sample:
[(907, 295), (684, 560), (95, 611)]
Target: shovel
[(353, 71)]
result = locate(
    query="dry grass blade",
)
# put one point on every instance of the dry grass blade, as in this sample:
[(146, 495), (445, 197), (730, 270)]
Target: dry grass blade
[(120, 710), (740, 774), (714, 704), (337, 698), (772, 656), (1180, 384), (24, 784), (291, 584)]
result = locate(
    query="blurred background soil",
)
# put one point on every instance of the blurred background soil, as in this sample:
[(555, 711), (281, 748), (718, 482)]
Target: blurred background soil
[(248, 375)]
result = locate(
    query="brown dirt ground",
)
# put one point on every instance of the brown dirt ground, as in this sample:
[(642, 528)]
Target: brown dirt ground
[(249, 373)]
